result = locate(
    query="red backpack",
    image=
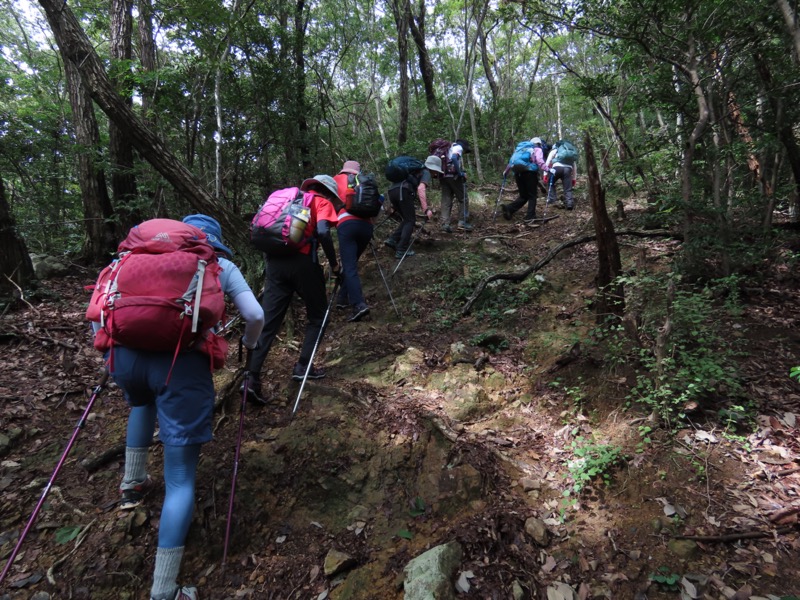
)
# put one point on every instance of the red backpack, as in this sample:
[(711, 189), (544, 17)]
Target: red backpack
[(162, 294), (280, 227)]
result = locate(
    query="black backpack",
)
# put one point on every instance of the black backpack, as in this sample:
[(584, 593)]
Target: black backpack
[(367, 200)]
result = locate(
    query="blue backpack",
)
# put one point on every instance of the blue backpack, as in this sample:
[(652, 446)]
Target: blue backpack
[(567, 153), (520, 161)]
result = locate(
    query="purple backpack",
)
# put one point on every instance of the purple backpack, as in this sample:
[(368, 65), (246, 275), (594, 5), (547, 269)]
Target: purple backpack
[(280, 227)]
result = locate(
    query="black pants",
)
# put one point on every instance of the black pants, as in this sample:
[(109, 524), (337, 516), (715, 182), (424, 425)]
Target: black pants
[(285, 276), (527, 186), (403, 203)]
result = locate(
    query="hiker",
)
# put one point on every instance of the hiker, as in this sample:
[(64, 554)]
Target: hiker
[(454, 185), (184, 408), (433, 164), (402, 195), (525, 163), (561, 163), (299, 272), (354, 234)]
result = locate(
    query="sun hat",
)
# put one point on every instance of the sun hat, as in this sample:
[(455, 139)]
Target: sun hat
[(536, 140), (434, 163), (211, 228), (351, 167), (321, 183)]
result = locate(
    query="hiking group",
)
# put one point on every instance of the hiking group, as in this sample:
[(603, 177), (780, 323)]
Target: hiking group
[(556, 163), (158, 310)]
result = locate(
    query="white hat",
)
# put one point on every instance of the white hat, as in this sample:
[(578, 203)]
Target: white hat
[(321, 183), (536, 140), (434, 163)]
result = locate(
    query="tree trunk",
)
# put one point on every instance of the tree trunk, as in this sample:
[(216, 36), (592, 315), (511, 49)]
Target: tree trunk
[(299, 91), (101, 235), (123, 178), (15, 264), (790, 18), (610, 299), (77, 48), (402, 15), (417, 26)]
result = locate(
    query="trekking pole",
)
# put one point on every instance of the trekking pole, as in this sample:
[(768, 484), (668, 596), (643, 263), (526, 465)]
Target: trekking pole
[(465, 202), (236, 463), (316, 344), (547, 200), (386, 283), (411, 243), (81, 422), (500, 195)]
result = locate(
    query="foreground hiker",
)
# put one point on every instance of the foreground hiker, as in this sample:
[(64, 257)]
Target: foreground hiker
[(562, 164), (296, 269), (526, 162), (177, 389), (361, 203)]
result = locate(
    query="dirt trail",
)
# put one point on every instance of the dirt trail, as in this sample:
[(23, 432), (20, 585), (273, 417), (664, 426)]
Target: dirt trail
[(429, 428)]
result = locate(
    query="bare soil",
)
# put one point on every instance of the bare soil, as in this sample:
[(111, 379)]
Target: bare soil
[(425, 431)]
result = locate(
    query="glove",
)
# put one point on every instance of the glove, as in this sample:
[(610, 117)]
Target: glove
[(546, 177), (429, 213), (574, 181), (505, 173), (337, 273)]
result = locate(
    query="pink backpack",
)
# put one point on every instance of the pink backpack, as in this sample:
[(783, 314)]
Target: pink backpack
[(162, 293), (280, 227)]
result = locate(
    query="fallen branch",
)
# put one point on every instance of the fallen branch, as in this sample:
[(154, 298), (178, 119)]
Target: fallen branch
[(734, 537), (522, 275), (81, 536)]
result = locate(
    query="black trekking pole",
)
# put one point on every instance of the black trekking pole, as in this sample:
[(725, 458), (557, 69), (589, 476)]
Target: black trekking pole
[(411, 243), (465, 204), (316, 344), (81, 422), (236, 461), (386, 283), (500, 195)]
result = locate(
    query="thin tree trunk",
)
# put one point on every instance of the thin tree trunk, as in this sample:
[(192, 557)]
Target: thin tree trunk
[(790, 18), (417, 27), (16, 268), (402, 15), (610, 299), (123, 178), (101, 234)]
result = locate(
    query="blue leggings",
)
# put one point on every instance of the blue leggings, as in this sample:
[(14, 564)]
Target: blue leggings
[(180, 470)]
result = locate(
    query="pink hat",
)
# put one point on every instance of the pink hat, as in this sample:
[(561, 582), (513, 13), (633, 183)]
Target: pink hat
[(351, 167)]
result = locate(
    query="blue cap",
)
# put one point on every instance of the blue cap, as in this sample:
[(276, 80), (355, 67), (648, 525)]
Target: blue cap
[(211, 228)]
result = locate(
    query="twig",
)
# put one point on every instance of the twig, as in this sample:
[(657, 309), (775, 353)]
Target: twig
[(733, 537), (21, 294)]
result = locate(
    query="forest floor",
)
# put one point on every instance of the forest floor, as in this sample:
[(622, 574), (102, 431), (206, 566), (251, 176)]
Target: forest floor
[(430, 428)]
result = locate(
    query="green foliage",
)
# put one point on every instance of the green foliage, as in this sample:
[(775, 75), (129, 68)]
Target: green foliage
[(418, 508), (405, 534), (666, 579), (695, 362), (64, 535), (592, 461), (794, 373)]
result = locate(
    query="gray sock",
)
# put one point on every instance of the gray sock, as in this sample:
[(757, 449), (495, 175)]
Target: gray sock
[(135, 467), (165, 576)]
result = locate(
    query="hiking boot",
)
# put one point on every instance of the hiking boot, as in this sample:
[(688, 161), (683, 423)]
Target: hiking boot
[(529, 220), (390, 243), (506, 212), (185, 593), (401, 254), (132, 497), (464, 226), (362, 310), (254, 393), (299, 372), (569, 207), (447, 229)]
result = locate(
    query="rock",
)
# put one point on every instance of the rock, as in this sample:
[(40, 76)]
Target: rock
[(40, 596), (683, 548), (494, 249), (337, 562), (47, 267), (537, 530), (529, 484), (430, 575), (517, 591)]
